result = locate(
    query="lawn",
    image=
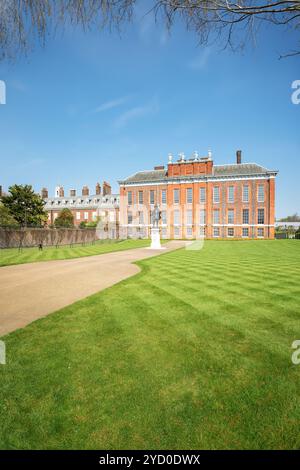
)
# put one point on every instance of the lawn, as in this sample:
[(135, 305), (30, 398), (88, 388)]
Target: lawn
[(30, 255), (193, 352)]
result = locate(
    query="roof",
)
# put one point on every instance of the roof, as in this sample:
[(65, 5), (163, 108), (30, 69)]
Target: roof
[(146, 176), (79, 201), (241, 169)]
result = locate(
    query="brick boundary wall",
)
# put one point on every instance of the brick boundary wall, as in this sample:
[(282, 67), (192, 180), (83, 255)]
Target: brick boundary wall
[(32, 237)]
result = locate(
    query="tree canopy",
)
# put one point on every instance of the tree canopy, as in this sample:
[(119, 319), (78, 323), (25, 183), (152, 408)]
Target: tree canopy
[(24, 205), (6, 219), (233, 21), (64, 219), (291, 218)]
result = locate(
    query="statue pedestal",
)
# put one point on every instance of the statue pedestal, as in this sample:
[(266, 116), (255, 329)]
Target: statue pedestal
[(155, 240)]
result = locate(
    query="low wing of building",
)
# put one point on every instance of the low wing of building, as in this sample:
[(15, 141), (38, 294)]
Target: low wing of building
[(85, 207)]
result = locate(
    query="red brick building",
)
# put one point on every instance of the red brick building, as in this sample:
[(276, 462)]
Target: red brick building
[(85, 207), (199, 199)]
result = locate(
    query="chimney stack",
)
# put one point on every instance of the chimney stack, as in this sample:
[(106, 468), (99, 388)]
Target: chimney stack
[(106, 188), (59, 191), (44, 193), (72, 192), (98, 189), (85, 191), (238, 157)]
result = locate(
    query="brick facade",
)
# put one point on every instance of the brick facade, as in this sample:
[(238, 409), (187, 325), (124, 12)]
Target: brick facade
[(243, 206)]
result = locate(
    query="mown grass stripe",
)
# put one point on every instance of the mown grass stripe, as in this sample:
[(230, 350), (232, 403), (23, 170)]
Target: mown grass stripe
[(193, 352)]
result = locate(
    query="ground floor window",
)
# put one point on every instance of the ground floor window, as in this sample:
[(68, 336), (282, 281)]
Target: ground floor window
[(230, 232), (86, 216), (245, 232), (260, 216), (216, 232), (260, 232), (189, 232), (77, 215), (164, 233), (176, 232), (202, 232)]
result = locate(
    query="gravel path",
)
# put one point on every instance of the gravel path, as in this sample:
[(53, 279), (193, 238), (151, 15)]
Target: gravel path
[(31, 291)]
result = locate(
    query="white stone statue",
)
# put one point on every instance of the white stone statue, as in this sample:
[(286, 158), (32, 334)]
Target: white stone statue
[(155, 236)]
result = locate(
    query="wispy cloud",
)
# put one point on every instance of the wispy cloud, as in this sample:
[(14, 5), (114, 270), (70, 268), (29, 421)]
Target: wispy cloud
[(111, 104), (137, 112), (200, 62)]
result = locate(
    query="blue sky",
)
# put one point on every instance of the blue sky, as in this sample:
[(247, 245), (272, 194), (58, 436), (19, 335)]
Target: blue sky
[(98, 106)]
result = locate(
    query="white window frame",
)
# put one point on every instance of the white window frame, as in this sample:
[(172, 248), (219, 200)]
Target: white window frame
[(189, 217), (177, 198), (176, 232), (202, 231), (141, 218), (216, 232), (189, 232), (260, 229), (129, 198), (202, 195), (260, 210), (229, 229), (164, 219), (230, 216), (176, 216), (230, 194), (202, 216), (216, 194), (141, 197), (245, 210), (189, 195), (216, 211), (152, 193), (261, 193), (245, 193)]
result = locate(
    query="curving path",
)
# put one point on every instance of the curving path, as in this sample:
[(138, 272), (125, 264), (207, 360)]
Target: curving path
[(31, 291)]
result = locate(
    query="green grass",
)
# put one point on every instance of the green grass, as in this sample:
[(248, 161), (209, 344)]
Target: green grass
[(10, 256), (193, 352)]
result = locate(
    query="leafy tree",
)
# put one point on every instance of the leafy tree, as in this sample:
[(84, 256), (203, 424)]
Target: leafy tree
[(25, 206), (93, 224), (64, 219), (21, 23), (6, 219), (291, 218)]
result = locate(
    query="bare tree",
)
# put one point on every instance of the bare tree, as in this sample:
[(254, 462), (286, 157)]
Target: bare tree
[(22, 22)]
